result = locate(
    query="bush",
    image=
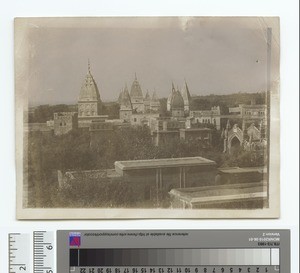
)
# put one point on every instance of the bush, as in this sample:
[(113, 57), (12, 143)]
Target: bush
[(91, 193)]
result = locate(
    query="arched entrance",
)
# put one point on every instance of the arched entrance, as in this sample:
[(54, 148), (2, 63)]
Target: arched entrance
[(235, 138), (235, 144)]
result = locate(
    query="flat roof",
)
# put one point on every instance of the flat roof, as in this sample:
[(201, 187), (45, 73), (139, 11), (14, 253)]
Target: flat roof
[(195, 129), (165, 131), (261, 169), (93, 174), (93, 117), (164, 163), (221, 192)]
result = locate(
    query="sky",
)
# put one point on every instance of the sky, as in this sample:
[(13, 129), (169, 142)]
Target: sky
[(213, 55)]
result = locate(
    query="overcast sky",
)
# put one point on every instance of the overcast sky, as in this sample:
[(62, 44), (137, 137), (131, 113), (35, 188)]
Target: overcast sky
[(214, 55)]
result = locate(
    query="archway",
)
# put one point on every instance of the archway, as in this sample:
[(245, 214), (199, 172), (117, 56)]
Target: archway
[(235, 144)]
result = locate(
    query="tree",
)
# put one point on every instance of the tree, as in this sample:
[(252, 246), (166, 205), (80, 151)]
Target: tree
[(95, 193)]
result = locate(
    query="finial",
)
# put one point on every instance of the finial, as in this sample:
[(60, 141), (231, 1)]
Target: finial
[(228, 124), (173, 87), (135, 76), (185, 82), (89, 66)]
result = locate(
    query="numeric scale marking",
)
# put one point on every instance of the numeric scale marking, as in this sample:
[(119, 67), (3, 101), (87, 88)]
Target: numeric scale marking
[(20, 258), (43, 252)]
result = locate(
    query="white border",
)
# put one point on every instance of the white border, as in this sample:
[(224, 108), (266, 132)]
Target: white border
[(288, 11)]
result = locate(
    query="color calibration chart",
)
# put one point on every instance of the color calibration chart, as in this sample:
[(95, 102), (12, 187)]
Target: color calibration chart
[(173, 251)]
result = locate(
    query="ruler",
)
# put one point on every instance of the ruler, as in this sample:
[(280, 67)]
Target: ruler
[(21, 256), (43, 252), (150, 251)]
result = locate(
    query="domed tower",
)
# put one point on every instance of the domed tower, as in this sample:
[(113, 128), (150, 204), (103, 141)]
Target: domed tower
[(186, 97), (177, 105), (137, 98), (170, 98), (89, 102), (154, 103), (147, 102), (125, 106)]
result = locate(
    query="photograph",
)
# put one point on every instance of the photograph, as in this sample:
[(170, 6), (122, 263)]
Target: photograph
[(147, 117)]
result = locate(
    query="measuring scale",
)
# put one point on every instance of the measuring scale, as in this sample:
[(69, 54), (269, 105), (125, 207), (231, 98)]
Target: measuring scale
[(150, 251)]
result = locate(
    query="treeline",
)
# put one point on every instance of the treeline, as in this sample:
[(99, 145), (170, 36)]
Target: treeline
[(43, 113), (226, 101)]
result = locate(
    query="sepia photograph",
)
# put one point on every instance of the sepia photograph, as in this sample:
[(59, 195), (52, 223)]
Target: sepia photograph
[(147, 117)]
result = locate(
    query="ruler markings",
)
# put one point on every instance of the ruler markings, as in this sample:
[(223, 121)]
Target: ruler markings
[(19, 256), (43, 253)]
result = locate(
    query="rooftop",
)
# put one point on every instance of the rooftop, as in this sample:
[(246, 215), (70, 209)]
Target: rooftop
[(222, 192), (165, 162), (92, 174), (261, 169), (165, 131), (89, 90), (195, 129)]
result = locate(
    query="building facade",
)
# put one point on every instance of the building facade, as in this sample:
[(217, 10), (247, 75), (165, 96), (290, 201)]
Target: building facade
[(212, 116), (163, 175), (64, 122)]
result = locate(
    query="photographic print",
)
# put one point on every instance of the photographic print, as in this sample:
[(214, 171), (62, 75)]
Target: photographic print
[(147, 117)]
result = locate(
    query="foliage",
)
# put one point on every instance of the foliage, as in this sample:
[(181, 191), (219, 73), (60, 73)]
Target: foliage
[(91, 193), (241, 158), (230, 100), (48, 153), (111, 109), (43, 113)]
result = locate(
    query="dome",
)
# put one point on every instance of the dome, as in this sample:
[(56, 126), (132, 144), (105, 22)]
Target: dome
[(89, 90), (136, 90), (177, 101)]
